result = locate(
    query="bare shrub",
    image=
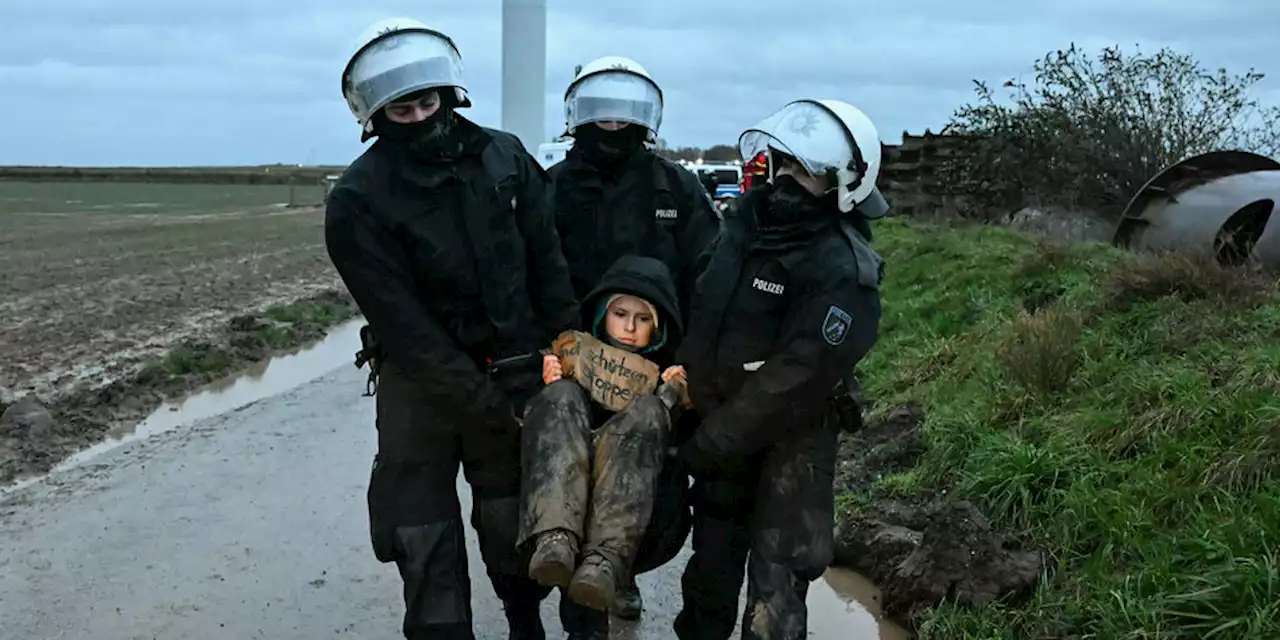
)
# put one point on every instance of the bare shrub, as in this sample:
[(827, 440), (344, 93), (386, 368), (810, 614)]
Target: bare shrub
[(1189, 277), (1089, 133)]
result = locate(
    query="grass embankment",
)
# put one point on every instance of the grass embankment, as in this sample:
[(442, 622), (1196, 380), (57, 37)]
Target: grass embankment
[(246, 339), (1119, 412)]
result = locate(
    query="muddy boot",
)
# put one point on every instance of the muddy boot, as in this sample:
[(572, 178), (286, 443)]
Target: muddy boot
[(627, 604), (595, 583), (554, 558)]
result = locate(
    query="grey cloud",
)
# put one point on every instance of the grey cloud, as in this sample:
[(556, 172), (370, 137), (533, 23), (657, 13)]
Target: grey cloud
[(236, 81)]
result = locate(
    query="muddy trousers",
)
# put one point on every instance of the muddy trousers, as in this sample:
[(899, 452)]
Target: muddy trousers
[(601, 485), (416, 520), (774, 524)]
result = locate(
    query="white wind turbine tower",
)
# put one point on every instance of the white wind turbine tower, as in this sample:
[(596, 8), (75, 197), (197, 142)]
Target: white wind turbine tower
[(524, 70)]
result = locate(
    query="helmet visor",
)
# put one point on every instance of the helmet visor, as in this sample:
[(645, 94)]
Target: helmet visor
[(805, 131), (614, 97), (401, 64)]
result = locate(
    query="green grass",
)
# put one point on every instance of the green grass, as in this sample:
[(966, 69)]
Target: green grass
[(1120, 412), (322, 311), (249, 338), (142, 198)]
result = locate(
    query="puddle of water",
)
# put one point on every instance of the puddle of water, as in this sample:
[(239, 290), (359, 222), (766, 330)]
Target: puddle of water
[(845, 606), (261, 380)]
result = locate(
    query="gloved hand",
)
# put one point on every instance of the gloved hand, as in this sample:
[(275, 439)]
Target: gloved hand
[(502, 414), (709, 465)]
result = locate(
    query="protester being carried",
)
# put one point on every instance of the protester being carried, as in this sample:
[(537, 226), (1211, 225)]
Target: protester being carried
[(595, 439)]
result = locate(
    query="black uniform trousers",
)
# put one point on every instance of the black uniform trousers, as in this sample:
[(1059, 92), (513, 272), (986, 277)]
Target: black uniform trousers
[(773, 521), (415, 516)]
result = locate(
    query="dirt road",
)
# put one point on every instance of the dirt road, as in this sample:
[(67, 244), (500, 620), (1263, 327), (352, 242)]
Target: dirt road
[(249, 524)]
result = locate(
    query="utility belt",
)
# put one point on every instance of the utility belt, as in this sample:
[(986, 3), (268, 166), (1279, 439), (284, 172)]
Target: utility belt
[(372, 354)]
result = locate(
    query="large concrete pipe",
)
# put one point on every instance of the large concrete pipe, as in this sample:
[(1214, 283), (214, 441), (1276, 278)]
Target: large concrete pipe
[(1220, 203), (524, 70)]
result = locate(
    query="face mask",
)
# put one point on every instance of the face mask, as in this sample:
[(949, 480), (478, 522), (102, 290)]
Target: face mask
[(609, 147), (421, 136), (789, 201)]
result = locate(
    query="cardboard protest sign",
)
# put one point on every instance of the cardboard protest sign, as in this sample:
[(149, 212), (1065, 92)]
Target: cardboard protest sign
[(613, 377)]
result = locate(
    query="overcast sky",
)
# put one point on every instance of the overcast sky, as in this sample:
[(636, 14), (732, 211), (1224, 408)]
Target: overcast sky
[(161, 82)]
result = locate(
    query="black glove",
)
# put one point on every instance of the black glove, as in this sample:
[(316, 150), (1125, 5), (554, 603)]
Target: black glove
[(706, 465), (502, 414)]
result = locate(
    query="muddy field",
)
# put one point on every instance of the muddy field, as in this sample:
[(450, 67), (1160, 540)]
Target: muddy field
[(97, 275), (98, 279)]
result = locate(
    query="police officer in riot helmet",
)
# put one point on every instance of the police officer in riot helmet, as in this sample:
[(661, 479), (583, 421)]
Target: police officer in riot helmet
[(787, 306), (614, 197), (441, 233)]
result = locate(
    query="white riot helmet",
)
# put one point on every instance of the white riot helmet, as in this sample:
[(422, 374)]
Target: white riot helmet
[(826, 137), (396, 57), (613, 88)]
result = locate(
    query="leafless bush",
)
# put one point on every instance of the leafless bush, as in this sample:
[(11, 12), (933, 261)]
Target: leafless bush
[(1189, 277), (1088, 133)]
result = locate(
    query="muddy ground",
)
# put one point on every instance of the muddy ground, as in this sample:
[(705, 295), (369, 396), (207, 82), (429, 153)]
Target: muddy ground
[(253, 524), (91, 295), (920, 550)]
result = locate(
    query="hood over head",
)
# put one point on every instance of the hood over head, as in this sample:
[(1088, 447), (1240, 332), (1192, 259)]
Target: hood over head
[(646, 278)]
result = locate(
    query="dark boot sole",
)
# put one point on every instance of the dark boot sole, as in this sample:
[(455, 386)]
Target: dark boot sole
[(590, 594), (552, 574)]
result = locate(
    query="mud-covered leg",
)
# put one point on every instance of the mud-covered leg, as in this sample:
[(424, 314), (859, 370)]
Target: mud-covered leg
[(669, 524), (713, 577), (629, 452), (555, 470), (791, 543), (555, 454)]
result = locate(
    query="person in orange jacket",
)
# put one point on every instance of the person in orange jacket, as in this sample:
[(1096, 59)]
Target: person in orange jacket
[(755, 172)]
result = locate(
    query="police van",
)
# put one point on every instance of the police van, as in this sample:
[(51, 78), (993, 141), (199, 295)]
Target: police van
[(550, 153), (728, 178)]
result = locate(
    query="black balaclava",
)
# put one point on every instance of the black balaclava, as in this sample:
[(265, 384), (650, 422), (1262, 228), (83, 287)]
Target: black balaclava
[(425, 139), (790, 215), (789, 202), (609, 149)]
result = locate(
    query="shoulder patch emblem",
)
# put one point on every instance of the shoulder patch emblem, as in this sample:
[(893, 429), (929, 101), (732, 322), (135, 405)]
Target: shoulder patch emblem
[(835, 326)]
